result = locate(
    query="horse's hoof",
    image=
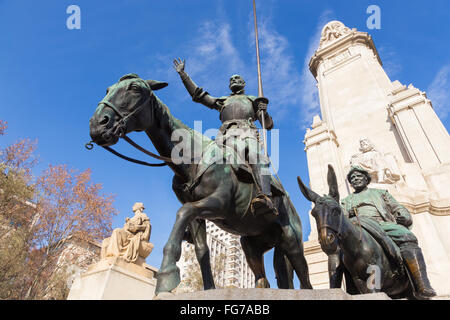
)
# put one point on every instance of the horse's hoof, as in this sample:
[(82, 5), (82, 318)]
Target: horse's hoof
[(262, 283), (167, 280)]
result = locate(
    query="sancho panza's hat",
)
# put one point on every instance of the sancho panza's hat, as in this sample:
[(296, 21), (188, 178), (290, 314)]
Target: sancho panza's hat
[(359, 169)]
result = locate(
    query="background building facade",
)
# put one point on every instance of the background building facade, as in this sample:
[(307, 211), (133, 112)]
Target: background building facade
[(228, 261)]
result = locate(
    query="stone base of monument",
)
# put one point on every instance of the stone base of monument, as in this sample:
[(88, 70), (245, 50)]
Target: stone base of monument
[(114, 279), (270, 294)]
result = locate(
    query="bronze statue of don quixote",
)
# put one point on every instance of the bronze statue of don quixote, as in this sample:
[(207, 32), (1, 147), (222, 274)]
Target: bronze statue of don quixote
[(228, 183)]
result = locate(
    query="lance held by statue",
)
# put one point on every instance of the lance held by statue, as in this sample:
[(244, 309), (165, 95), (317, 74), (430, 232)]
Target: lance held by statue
[(238, 112)]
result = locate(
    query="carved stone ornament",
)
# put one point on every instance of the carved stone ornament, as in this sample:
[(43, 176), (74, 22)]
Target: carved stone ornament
[(332, 31)]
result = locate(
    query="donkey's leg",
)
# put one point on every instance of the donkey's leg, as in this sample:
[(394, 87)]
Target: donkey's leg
[(350, 286), (292, 245), (254, 250), (283, 270), (198, 232), (335, 270)]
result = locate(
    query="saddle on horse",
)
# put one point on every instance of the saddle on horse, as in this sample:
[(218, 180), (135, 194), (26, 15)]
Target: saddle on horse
[(390, 248), (223, 154)]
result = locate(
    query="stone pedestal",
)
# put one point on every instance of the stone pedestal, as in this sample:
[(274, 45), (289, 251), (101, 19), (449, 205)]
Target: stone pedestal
[(114, 279), (271, 294)]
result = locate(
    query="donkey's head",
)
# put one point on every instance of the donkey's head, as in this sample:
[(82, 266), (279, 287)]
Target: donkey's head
[(125, 108), (327, 212)]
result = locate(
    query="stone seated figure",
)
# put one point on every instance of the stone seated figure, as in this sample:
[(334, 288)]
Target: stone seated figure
[(131, 242), (381, 167)]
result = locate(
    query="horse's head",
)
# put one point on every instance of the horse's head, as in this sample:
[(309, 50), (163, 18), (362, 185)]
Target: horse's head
[(327, 212), (125, 108)]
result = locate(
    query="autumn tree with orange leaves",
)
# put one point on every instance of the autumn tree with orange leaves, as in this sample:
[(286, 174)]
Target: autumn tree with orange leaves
[(16, 210), (38, 216)]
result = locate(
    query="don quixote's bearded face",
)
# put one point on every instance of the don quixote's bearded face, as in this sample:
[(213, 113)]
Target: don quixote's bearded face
[(125, 108), (236, 83)]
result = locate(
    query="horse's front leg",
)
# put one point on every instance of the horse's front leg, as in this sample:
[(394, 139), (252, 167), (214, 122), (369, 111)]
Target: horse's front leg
[(198, 233), (168, 276)]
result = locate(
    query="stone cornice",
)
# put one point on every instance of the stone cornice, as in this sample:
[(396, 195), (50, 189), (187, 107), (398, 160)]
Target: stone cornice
[(354, 37), (407, 98), (318, 135), (427, 207), (312, 246)]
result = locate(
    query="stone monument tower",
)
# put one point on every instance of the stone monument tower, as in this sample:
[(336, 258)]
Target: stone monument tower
[(388, 128)]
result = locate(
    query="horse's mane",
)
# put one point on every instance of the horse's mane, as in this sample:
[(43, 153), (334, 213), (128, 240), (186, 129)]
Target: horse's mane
[(165, 116)]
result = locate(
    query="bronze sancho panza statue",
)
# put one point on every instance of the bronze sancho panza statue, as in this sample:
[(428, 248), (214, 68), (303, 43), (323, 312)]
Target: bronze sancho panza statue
[(238, 112), (395, 220), (366, 238)]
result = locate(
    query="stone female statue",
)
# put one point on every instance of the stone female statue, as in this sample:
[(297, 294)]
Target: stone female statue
[(132, 241)]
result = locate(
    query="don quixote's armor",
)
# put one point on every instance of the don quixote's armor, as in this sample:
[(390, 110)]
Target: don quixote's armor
[(238, 112)]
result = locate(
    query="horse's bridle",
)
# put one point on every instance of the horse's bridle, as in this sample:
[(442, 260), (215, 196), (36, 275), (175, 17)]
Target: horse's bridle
[(338, 231), (122, 125), (332, 228)]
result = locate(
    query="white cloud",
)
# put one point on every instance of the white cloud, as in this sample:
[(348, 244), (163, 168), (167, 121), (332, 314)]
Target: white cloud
[(310, 104), (439, 92), (391, 64), (213, 56), (281, 79)]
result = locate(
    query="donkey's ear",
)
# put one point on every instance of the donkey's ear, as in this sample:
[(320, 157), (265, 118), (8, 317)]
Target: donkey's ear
[(156, 85), (332, 183), (308, 193)]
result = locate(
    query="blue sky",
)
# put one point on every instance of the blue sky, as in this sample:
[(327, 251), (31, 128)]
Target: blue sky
[(52, 78)]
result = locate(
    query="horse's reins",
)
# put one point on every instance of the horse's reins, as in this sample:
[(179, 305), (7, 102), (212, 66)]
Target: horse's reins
[(359, 222), (122, 124)]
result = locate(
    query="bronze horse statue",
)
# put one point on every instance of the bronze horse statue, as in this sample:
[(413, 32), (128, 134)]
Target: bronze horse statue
[(214, 192), (352, 251)]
